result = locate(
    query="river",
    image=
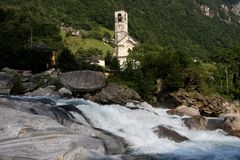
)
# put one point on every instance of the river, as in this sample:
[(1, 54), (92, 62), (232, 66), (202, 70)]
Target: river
[(136, 125)]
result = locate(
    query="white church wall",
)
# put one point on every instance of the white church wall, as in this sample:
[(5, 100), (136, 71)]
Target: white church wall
[(123, 41)]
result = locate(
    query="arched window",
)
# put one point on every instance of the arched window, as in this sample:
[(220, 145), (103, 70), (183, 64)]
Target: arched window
[(120, 17)]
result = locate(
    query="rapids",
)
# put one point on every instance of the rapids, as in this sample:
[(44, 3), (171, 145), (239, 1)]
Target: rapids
[(135, 123)]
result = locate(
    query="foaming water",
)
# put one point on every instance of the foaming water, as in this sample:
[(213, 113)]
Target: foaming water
[(136, 127)]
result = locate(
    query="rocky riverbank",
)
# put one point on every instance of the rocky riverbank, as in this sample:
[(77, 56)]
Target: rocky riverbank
[(92, 86), (202, 108), (36, 128), (82, 84)]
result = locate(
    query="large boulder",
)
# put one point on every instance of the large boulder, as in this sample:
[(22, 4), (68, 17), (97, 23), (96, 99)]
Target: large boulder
[(52, 131), (184, 111), (82, 81), (196, 122), (203, 123), (165, 132), (29, 136), (116, 94), (214, 123), (6, 82), (232, 125)]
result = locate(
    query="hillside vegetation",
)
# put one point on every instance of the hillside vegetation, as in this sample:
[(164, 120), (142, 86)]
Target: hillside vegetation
[(168, 23), (171, 34)]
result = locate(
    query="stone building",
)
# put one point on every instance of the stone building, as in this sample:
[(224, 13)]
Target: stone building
[(123, 42)]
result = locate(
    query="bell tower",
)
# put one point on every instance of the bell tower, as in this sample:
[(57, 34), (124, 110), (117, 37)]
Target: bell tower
[(121, 25), (123, 42)]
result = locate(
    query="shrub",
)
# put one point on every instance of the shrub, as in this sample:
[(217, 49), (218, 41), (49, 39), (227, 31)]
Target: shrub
[(66, 61)]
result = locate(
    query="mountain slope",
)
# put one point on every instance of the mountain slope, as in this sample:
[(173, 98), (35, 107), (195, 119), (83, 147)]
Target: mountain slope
[(179, 24)]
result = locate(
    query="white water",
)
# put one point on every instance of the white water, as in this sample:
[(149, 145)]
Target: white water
[(135, 126)]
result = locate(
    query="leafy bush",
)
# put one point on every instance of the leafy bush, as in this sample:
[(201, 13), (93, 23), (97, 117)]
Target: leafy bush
[(66, 61), (111, 62)]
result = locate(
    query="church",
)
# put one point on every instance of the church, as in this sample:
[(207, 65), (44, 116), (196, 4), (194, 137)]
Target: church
[(123, 41)]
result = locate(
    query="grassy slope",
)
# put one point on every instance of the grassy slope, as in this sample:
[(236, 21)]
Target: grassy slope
[(74, 42)]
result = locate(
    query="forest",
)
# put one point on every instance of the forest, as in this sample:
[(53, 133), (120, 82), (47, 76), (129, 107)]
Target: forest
[(177, 42)]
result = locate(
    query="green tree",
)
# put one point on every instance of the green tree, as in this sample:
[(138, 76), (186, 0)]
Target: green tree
[(167, 64), (111, 62), (146, 63), (66, 61)]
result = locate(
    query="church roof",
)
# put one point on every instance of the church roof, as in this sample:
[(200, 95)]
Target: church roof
[(127, 38)]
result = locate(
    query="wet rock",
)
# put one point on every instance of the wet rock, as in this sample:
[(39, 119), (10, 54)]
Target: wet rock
[(32, 106), (28, 131), (203, 123), (40, 137), (184, 111), (82, 81), (114, 93), (113, 144), (214, 123), (235, 133), (232, 125), (196, 122), (70, 113), (164, 132), (6, 82)]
